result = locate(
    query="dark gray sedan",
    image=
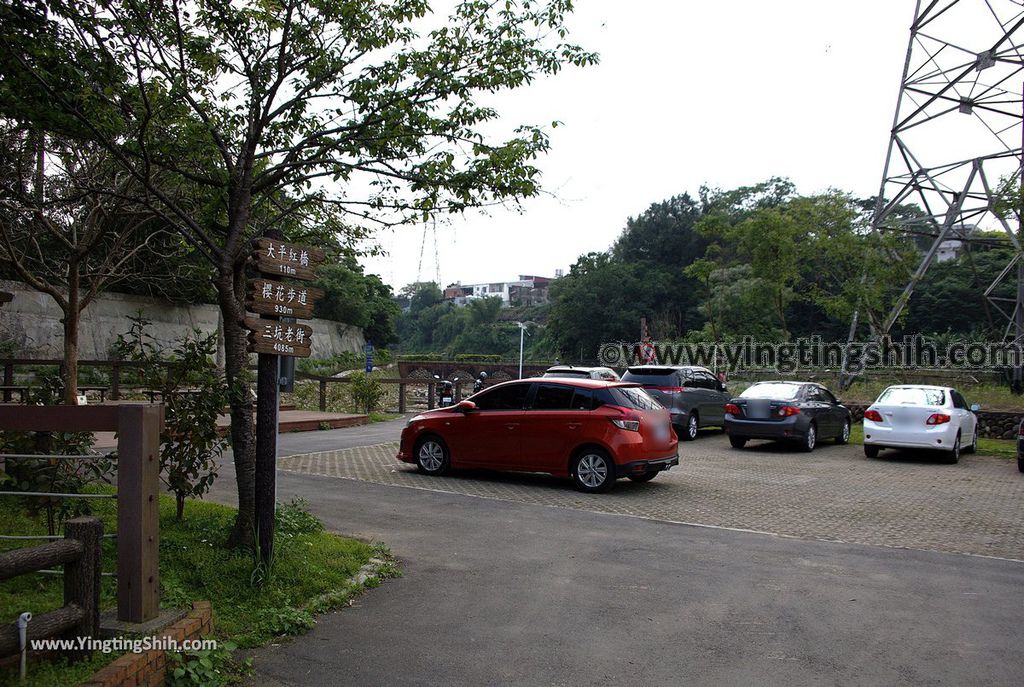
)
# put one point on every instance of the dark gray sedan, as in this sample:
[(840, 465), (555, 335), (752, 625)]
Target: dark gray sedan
[(800, 412)]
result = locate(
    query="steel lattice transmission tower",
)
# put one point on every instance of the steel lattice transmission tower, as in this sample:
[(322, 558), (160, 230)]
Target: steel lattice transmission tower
[(956, 137)]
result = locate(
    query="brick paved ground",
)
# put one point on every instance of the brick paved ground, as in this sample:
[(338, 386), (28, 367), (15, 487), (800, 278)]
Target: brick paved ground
[(834, 493)]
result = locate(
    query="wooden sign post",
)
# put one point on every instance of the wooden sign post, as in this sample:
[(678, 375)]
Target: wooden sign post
[(271, 338)]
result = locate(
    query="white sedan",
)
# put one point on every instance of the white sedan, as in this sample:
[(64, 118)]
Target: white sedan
[(914, 416)]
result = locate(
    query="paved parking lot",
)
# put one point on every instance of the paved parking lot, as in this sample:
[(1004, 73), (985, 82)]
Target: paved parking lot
[(833, 494)]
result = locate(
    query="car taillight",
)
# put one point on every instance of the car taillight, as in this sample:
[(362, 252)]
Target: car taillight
[(625, 423), (732, 408), (873, 415), (937, 419), (786, 411)]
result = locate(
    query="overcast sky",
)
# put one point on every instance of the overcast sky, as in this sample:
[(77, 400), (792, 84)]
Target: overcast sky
[(689, 92)]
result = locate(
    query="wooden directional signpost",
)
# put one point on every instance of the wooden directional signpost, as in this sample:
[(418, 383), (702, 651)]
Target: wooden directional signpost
[(276, 334), (268, 297)]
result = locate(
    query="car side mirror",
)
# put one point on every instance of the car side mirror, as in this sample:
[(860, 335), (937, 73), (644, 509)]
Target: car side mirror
[(975, 407), (465, 406), (839, 401), (722, 387)]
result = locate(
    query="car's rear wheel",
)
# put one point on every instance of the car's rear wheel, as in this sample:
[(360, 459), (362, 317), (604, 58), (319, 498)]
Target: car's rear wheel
[(953, 457), (690, 430), (432, 457), (737, 442), (810, 439), (870, 451), (593, 470), (645, 477), (844, 433)]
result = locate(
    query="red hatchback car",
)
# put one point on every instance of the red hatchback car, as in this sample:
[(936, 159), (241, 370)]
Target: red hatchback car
[(589, 430)]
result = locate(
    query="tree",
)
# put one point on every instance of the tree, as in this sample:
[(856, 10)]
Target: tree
[(67, 228), (194, 395), (359, 299), (339, 115), (812, 255), (600, 300), (664, 241)]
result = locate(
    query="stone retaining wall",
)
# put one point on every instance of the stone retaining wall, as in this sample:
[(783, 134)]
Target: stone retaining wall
[(32, 324)]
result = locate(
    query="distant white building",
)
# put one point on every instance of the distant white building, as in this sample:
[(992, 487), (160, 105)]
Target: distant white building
[(527, 290), (952, 247)]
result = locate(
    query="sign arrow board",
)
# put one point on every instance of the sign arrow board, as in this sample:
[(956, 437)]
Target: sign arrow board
[(287, 259), (279, 338), (268, 297)]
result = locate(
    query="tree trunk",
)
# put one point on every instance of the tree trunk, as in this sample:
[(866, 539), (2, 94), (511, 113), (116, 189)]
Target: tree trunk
[(72, 316), (71, 319), (780, 308), (179, 502), (230, 289)]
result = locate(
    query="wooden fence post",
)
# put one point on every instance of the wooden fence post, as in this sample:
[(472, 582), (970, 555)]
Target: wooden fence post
[(115, 382), (401, 397), (430, 396), (8, 381), (82, 575), (323, 395), (138, 512)]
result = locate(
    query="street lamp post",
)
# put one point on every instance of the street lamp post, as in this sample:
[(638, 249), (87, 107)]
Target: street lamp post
[(522, 331)]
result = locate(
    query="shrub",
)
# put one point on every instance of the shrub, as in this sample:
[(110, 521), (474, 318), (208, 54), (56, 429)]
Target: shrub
[(194, 395), (53, 475), (367, 392)]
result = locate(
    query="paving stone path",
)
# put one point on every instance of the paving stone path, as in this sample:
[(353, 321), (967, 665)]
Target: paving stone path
[(835, 493)]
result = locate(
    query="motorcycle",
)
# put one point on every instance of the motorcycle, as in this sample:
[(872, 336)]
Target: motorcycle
[(445, 393), (480, 382)]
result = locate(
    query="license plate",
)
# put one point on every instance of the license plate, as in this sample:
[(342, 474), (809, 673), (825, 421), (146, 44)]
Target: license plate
[(446, 399)]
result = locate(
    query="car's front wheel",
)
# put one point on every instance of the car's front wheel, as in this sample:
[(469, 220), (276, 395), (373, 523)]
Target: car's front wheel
[(870, 451), (593, 471), (432, 456), (737, 442), (844, 433)]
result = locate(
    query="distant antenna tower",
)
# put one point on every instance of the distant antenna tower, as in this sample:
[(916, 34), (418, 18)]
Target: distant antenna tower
[(429, 229), (956, 136)]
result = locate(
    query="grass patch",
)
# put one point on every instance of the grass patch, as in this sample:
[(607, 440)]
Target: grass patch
[(310, 575)]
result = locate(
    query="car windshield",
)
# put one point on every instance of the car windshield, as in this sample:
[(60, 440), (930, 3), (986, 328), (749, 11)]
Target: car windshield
[(913, 396), (653, 376), (632, 397), (782, 392), (567, 373)]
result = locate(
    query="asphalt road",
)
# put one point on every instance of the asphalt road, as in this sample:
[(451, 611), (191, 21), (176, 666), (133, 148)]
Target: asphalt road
[(499, 592)]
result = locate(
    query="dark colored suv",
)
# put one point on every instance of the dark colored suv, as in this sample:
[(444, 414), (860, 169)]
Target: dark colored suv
[(692, 394)]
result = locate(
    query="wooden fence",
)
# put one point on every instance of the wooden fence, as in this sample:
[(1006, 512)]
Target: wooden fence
[(138, 473), (80, 554), (114, 390), (404, 403)]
